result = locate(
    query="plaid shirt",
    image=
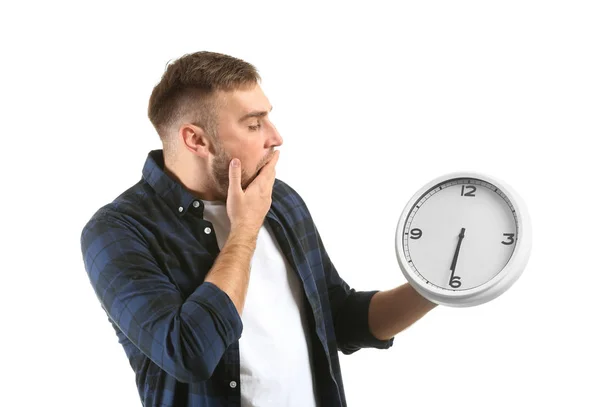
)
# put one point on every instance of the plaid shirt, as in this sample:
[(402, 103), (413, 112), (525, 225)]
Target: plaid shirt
[(147, 254)]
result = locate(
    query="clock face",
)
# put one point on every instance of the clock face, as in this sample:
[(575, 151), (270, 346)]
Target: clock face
[(460, 234)]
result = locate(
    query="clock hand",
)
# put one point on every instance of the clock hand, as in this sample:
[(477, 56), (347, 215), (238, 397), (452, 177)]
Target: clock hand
[(460, 238)]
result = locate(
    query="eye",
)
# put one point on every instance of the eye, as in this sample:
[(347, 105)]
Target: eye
[(254, 128)]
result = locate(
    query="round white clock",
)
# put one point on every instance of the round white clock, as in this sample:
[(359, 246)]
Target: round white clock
[(463, 239)]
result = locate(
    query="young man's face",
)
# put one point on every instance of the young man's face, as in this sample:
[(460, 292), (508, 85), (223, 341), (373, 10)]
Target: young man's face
[(251, 139)]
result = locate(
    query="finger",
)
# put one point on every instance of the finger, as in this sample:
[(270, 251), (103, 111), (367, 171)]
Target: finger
[(269, 168), (273, 161), (266, 173), (235, 176)]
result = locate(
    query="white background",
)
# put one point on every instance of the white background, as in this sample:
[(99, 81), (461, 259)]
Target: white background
[(373, 100)]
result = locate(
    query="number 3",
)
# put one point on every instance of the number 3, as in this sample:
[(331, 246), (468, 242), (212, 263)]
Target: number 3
[(511, 239)]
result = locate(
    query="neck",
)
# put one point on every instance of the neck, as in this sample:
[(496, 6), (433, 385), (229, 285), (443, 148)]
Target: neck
[(189, 174)]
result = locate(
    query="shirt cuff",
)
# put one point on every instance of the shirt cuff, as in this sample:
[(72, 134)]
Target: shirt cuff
[(227, 319), (355, 324)]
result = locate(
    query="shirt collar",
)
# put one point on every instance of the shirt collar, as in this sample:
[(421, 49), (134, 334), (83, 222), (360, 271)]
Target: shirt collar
[(171, 191)]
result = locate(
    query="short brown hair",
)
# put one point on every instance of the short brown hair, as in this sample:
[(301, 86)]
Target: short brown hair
[(186, 91)]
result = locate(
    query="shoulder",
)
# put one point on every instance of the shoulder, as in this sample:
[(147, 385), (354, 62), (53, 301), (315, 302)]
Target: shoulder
[(104, 227), (283, 187), (289, 205), (117, 216), (284, 193)]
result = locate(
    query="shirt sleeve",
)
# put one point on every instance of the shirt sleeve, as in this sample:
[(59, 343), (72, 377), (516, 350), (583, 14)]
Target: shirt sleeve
[(184, 337), (350, 309)]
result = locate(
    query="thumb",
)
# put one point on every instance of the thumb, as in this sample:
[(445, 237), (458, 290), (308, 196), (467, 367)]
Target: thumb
[(235, 176)]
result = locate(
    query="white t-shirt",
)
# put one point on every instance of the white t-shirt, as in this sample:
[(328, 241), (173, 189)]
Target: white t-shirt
[(275, 364)]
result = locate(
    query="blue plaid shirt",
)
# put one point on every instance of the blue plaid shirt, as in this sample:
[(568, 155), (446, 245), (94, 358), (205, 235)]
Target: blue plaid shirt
[(147, 254)]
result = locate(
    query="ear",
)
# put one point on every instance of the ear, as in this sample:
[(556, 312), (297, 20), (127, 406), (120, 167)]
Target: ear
[(194, 139)]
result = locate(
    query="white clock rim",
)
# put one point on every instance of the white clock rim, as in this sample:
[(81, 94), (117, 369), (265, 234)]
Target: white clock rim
[(499, 283)]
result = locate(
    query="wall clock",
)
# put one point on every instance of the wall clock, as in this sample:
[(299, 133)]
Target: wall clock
[(463, 239)]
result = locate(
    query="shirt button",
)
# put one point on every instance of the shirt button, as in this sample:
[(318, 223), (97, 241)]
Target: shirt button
[(196, 204), (232, 384), (181, 209), (207, 231)]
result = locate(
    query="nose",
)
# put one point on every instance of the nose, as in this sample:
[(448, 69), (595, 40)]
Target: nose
[(278, 138), (274, 139)]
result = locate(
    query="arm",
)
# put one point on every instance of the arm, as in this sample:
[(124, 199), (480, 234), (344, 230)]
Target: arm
[(231, 271), (185, 337), (394, 310), (350, 310)]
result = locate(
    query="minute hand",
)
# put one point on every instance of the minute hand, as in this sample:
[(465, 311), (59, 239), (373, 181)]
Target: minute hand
[(460, 238)]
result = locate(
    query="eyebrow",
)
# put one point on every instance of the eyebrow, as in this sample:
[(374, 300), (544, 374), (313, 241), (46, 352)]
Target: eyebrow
[(254, 113)]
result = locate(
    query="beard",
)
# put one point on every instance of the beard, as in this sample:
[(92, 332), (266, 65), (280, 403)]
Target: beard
[(220, 171)]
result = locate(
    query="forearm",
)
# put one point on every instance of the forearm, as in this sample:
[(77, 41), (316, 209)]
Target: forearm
[(231, 270), (185, 338), (392, 311)]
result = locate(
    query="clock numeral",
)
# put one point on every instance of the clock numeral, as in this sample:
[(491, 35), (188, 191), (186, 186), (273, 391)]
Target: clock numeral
[(455, 282), (416, 233), (510, 237), (470, 193)]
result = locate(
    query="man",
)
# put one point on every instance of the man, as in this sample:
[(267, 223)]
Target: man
[(211, 270)]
